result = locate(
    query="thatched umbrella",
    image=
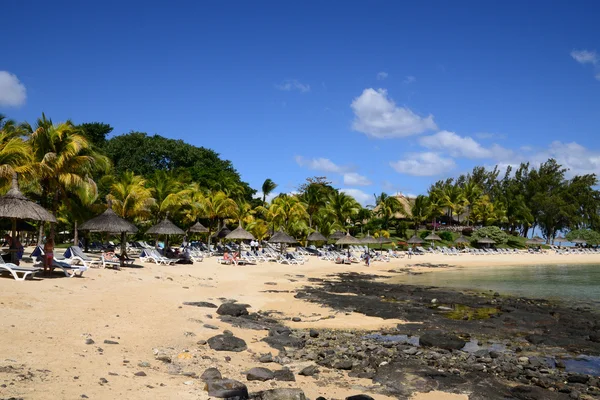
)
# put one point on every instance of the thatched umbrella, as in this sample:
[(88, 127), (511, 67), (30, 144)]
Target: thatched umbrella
[(336, 235), (240, 234), (222, 233), (382, 240), (110, 222), (578, 241), (282, 238), (486, 240), (369, 240), (165, 227), (415, 240), (461, 240), (198, 228), (532, 242), (433, 237), (560, 239), (539, 239), (15, 205), (348, 239), (316, 236)]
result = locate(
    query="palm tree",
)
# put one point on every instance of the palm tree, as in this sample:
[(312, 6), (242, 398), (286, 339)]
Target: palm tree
[(64, 161), (420, 210), (453, 198), (168, 193), (267, 188), (15, 153), (313, 199), (130, 197), (386, 207), (342, 206), (285, 210), (215, 207), (437, 205), (472, 192)]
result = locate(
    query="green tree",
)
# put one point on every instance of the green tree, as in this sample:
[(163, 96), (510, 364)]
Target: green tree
[(96, 132), (492, 232), (386, 207), (420, 210), (15, 153), (343, 207), (131, 199), (267, 188)]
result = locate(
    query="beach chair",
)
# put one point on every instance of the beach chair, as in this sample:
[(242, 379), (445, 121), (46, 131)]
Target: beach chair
[(16, 270), (75, 254), (68, 269), (151, 255)]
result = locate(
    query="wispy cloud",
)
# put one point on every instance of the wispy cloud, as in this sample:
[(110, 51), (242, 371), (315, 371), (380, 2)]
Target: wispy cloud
[(489, 135), (378, 116), (12, 91), (293, 84), (588, 57), (382, 76), (322, 164), (363, 198), (354, 179), (409, 79), (270, 196), (423, 164)]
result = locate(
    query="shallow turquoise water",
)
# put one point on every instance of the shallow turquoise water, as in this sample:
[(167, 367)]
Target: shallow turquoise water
[(571, 283)]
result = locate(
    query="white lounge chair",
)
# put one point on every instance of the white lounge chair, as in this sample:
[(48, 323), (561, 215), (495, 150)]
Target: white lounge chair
[(68, 269), (15, 270), (75, 254)]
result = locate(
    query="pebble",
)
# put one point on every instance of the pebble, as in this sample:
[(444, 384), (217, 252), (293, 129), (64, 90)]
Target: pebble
[(89, 341), (140, 373), (110, 342)]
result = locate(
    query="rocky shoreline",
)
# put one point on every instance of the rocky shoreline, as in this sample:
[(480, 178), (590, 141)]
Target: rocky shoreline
[(515, 349)]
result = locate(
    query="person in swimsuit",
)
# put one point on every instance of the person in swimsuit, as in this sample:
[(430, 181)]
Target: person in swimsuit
[(48, 255)]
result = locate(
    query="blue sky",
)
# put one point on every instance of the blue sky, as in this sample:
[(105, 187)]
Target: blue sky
[(377, 96)]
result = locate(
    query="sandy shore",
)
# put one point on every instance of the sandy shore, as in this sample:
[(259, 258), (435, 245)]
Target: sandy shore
[(45, 322)]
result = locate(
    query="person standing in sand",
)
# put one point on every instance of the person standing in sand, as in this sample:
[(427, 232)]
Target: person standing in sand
[(48, 255)]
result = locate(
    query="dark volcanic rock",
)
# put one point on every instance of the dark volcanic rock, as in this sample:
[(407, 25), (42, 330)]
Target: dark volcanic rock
[(211, 374), (578, 379), (266, 358), (441, 340), (227, 343), (282, 337), (284, 375), (110, 342), (535, 393), (232, 309), (204, 304), (360, 397), (281, 394), (343, 364), (314, 333), (309, 371), (259, 374), (227, 389)]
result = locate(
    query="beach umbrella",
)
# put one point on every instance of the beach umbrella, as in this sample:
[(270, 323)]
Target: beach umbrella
[(348, 239), (22, 226), (533, 242), (382, 240), (316, 236), (539, 240), (369, 240), (198, 228), (337, 235), (415, 240), (165, 227), (578, 241), (222, 233), (282, 238), (15, 205), (110, 222), (461, 239), (560, 239), (240, 234), (486, 240), (433, 237)]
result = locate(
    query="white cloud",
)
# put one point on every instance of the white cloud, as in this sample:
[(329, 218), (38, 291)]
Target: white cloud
[(378, 116), (423, 164), (409, 79), (363, 198), (585, 56), (321, 164), (12, 91), (354, 179), (293, 84), (455, 145), (382, 76), (270, 196), (488, 135)]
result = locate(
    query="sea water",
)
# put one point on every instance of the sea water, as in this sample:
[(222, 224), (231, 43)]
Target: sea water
[(571, 283)]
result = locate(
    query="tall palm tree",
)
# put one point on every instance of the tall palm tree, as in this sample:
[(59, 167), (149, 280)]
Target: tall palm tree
[(15, 153), (168, 193), (343, 206), (472, 193), (215, 207), (420, 210), (267, 188), (313, 199), (286, 210), (130, 197), (453, 198), (64, 160), (437, 204), (386, 207)]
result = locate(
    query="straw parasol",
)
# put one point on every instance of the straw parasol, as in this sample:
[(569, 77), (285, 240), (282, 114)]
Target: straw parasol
[(347, 239), (369, 239), (578, 241), (415, 240), (461, 240), (165, 227), (486, 240), (532, 242), (539, 240), (222, 233), (110, 222), (316, 236), (240, 234), (198, 228), (560, 239), (15, 205), (336, 235), (433, 237), (282, 238)]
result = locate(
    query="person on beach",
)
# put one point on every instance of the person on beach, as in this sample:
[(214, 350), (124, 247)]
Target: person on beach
[(48, 255), (367, 259), (15, 246)]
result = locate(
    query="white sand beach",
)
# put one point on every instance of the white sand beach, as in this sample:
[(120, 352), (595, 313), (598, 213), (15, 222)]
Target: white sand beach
[(45, 324)]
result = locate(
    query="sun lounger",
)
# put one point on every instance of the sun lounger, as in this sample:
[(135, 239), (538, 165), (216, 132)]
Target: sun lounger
[(70, 270), (74, 253), (151, 255), (16, 270)]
